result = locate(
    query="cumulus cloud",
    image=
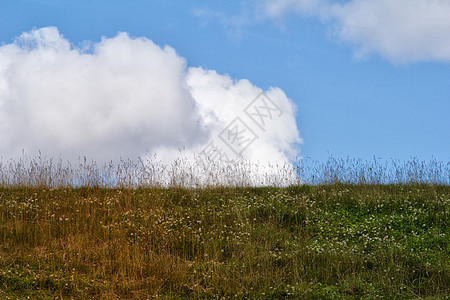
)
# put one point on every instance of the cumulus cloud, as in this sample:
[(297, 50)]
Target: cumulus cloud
[(228, 106), (399, 30), (125, 97)]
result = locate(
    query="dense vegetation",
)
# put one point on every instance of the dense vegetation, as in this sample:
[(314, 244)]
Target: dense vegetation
[(324, 241)]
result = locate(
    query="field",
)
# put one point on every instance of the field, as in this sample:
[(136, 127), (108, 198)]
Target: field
[(329, 240)]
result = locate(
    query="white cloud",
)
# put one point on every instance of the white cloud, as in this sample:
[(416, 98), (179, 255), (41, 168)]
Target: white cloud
[(278, 8), (399, 30), (123, 96)]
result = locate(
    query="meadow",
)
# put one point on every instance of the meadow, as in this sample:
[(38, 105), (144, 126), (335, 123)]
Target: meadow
[(348, 230)]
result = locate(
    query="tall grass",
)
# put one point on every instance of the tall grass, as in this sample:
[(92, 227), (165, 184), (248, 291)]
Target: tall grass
[(205, 172), (200, 171), (358, 171)]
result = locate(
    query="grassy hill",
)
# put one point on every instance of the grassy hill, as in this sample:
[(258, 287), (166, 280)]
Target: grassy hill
[(324, 241)]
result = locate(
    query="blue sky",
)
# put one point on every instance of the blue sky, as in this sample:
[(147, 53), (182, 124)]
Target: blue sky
[(349, 104)]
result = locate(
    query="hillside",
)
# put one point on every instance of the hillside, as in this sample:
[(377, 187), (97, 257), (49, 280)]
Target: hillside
[(315, 242)]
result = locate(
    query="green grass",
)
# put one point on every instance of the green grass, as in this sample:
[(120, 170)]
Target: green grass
[(333, 241)]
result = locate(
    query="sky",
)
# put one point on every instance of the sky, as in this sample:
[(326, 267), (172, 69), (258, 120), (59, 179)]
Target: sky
[(356, 78)]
